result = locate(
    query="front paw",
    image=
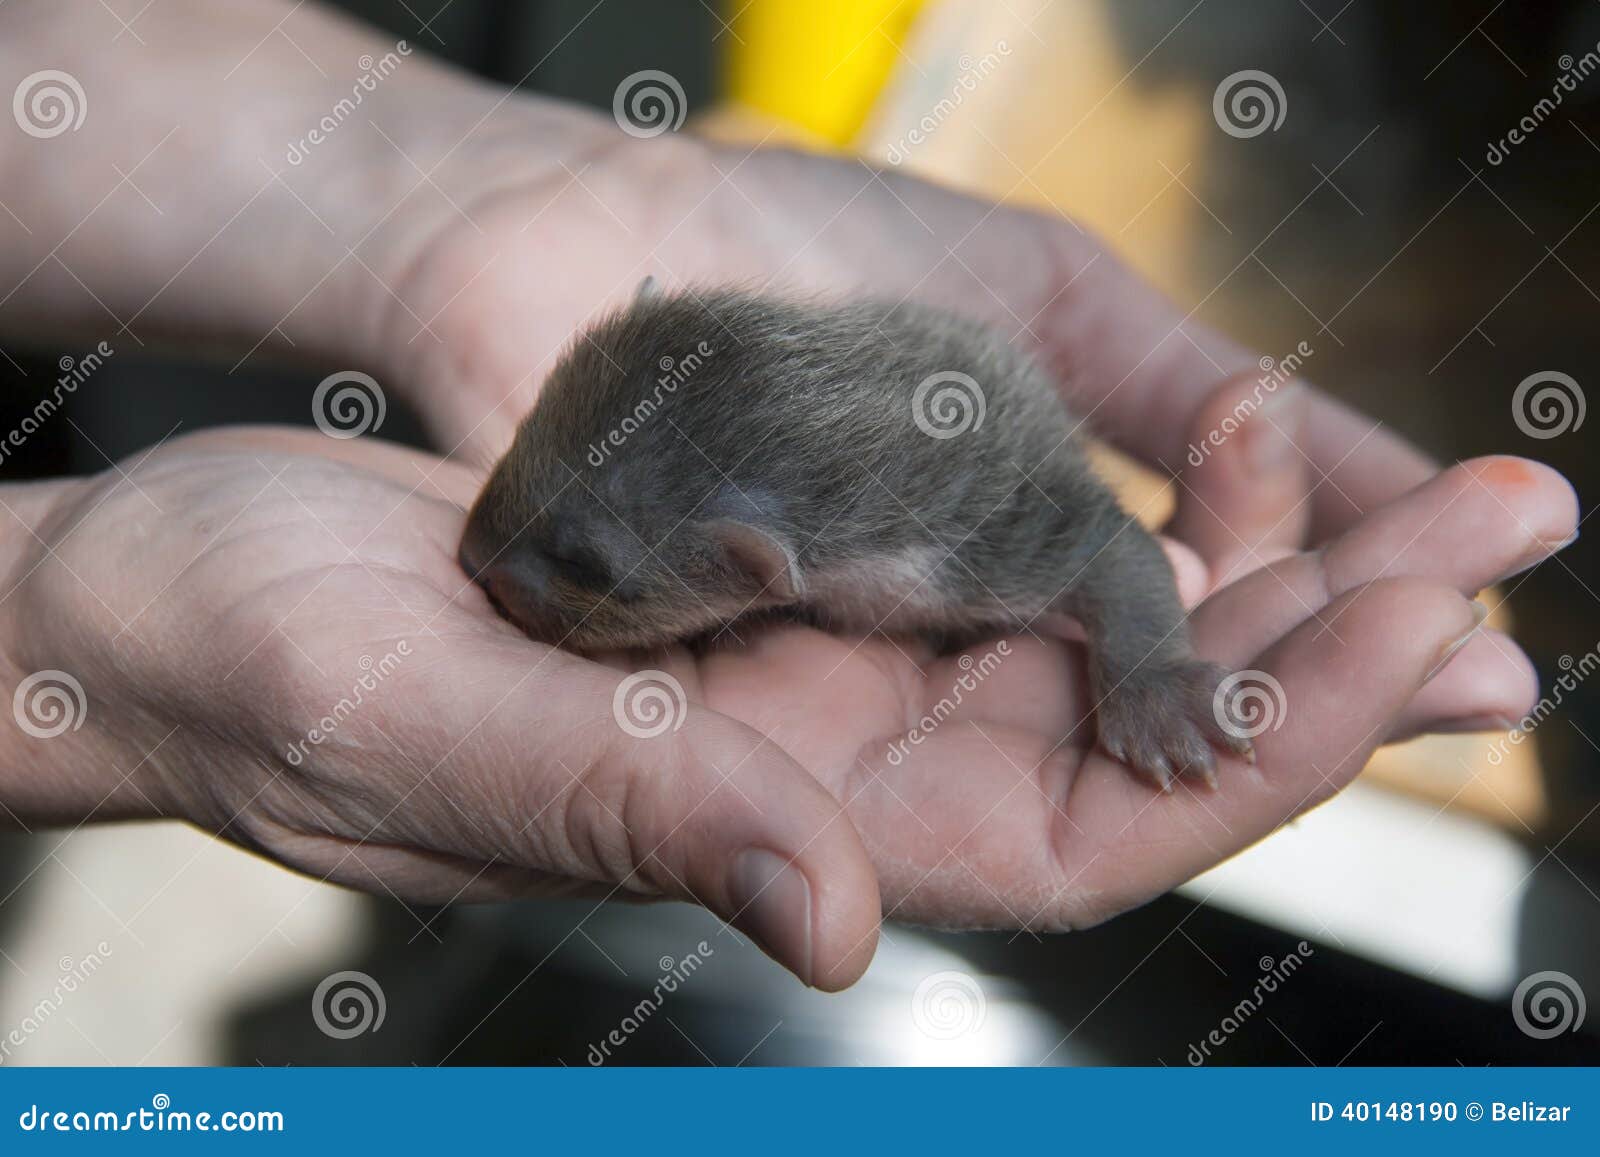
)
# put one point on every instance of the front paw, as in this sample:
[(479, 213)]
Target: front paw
[(1162, 721)]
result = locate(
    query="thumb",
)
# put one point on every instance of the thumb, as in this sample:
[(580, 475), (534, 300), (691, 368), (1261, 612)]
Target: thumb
[(638, 787)]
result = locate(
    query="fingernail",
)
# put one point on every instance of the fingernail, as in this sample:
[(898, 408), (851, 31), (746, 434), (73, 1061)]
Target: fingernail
[(1479, 613), (1541, 550), (1473, 723), (1269, 432), (772, 905)]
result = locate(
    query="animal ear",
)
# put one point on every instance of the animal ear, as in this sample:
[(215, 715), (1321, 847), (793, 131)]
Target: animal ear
[(648, 288), (767, 560)]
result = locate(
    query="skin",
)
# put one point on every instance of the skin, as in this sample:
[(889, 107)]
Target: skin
[(486, 765)]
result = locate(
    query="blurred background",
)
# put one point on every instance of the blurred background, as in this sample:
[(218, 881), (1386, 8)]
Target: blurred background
[(1397, 187)]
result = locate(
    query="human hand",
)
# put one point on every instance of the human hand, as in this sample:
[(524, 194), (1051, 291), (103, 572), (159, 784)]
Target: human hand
[(504, 285), (452, 253), (450, 237), (216, 600)]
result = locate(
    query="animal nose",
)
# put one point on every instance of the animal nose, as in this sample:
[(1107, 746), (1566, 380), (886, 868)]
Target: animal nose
[(507, 574), (503, 582), (474, 558)]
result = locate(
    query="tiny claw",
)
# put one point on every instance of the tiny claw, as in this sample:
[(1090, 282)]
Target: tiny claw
[(1240, 745), (1160, 770), (1205, 767), (1197, 758)]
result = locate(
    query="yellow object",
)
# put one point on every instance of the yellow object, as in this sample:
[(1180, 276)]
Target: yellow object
[(817, 64)]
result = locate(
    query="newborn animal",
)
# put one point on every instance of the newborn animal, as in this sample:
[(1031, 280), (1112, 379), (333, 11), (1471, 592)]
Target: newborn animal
[(696, 459)]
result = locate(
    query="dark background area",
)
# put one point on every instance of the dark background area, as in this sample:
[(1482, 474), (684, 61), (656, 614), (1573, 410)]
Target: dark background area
[(1447, 281)]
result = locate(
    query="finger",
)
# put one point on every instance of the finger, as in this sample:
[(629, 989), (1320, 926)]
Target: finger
[(1486, 519), (1486, 687), (425, 474), (591, 776), (1243, 494), (1122, 350), (1365, 465), (1189, 571), (982, 823), (1326, 703), (1468, 528)]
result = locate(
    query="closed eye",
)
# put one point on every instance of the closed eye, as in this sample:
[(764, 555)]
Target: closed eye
[(580, 571), (594, 576)]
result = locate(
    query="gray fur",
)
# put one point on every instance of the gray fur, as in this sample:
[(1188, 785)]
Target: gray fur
[(779, 463)]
